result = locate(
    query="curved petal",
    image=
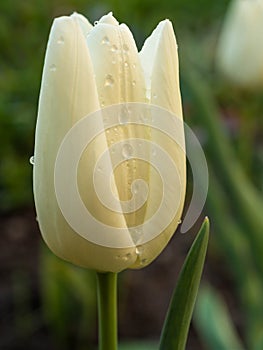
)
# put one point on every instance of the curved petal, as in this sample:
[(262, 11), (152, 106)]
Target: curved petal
[(68, 94), (120, 79), (160, 63), (84, 24), (159, 59)]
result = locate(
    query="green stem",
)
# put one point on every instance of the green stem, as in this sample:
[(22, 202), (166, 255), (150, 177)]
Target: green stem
[(107, 310)]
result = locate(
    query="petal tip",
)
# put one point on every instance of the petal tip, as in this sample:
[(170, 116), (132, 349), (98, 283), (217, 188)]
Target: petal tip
[(109, 19)]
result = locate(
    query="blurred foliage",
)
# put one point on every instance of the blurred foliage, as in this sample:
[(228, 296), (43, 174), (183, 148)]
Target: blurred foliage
[(227, 120), (69, 302)]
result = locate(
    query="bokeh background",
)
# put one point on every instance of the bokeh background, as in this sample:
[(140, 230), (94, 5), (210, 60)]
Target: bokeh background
[(47, 303)]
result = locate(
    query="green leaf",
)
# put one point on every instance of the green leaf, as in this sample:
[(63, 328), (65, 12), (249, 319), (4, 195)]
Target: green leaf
[(176, 326), (214, 323)]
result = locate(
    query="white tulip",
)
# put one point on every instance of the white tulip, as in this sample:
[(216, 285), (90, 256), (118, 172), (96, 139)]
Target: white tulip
[(240, 49), (88, 68)]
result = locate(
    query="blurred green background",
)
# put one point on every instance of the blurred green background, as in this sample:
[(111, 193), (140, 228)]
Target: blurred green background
[(46, 303)]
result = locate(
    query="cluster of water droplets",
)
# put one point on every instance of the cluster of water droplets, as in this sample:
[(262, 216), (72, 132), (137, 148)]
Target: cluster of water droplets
[(139, 250), (116, 54), (60, 41)]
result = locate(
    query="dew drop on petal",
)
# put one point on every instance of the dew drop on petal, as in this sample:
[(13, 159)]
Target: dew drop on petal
[(124, 257), (105, 40), (126, 64), (114, 48), (133, 82), (109, 81), (32, 160), (143, 261), (61, 40), (96, 22), (125, 48), (139, 250), (53, 68)]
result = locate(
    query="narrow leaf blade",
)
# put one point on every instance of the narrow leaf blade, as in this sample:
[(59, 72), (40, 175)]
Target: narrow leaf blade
[(176, 326)]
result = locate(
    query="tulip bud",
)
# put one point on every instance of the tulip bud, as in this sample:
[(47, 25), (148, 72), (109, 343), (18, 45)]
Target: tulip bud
[(93, 74), (240, 52)]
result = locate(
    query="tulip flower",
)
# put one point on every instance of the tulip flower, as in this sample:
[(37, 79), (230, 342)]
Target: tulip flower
[(240, 52), (87, 69)]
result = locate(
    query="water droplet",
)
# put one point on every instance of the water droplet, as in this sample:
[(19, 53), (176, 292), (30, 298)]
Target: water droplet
[(127, 151), (36, 219), (53, 68), (143, 261), (105, 40), (102, 103), (96, 22), (109, 81), (114, 48), (61, 40), (126, 64), (133, 82), (134, 65), (179, 222), (139, 250), (124, 257), (125, 48), (32, 160)]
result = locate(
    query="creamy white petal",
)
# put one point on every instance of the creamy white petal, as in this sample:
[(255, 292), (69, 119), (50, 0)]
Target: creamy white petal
[(120, 79), (160, 63), (84, 24), (116, 63), (68, 94), (159, 60)]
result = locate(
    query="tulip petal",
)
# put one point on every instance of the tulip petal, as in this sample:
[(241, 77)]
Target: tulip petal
[(68, 94), (84, 24), (159, 60), (120, 79)]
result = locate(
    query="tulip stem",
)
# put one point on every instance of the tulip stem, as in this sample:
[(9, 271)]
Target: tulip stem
[(107, 310)]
